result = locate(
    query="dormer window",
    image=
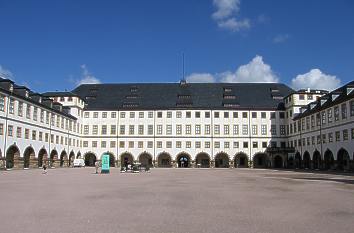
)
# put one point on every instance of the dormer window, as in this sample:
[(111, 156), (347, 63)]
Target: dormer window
[(11, 89), (130, 105), (131, 97), (350, 90), (27, 94), (227, 89), (62, 99), (70, 99), (184, 96), (133, 89), (229, 97)]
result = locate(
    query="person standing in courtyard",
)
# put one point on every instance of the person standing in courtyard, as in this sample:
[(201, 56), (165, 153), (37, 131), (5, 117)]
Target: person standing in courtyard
[(44, 169), (96, 166)]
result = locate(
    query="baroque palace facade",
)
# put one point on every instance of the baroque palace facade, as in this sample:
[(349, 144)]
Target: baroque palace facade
[(220, 125)]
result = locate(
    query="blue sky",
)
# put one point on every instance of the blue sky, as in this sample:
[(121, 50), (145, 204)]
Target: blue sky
[(55, 45)]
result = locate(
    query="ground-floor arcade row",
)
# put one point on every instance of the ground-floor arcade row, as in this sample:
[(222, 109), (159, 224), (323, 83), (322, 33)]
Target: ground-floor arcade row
[(341, 161), (185, 160), (13, 158)]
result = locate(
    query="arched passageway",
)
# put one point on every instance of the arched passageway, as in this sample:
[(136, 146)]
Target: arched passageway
[(222, 160), (78, 156), (53, 158), (42, 157), (63, 159), (291, 162), (202, 160), (183, 160), (260, 160), (145, 159), (164, 160), (241, 160), (328, 160), (125, 159), (306, 160), (316, 160), (71, 158), (12, 157), (28, 156), (343, 160), (90, 159), (278, 162), (297, 161)]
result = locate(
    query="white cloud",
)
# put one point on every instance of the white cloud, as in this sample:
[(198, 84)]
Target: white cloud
[(225, 15), (315, 79), (256, 71), (4, 73), (200, 78), (87, 77), (280, 38)]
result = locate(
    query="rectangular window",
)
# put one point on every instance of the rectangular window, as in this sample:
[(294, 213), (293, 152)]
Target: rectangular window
[(207, 129), (86, 115), (85, 144), (159, 144), (207, 114), (169, 114), (18, 132), (141, 129), (273, 130), (217, 129), (121, 144), (264, 129), (168, 144), (28, 111), (226, 145), (254, 130), (27, 132), (150, 144), (188, 114), (150, 129), (112, 144), (132, 115), (104, 129), (178, 129), (244, 114), (150, 114), (272, 115), (226, 129), (42, 116), (207, 144), (235, 114), (86, 129), (281, 115), (254, 114), (131, 130), (217, 144), (141, 114), (159, 129), (235, 130), (197, 144), (330, 137), (140, 144), (159, 114), (95, 115), (226, 115), (188, 129), (216, 114), (329, 115), (168, 129), (113, 115), (103, 144), (197, 114), (20, 109), (344, 111), (11, 107), (264, 144), (95, 129), (337, 136), (282, 129), (245, 144), (178, 114), (197, 129), (263, 115), (131, 144), (345, 135), (113, 129), (104, 114), (40, 136), (236, 144), (352, 108), (122, 115), (2, 103), (244, 129), (122, 130), (254, 144), (336, 113), (178, 144)]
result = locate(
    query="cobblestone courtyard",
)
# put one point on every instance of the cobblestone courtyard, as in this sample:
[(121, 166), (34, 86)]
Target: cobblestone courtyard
[(175, 200)]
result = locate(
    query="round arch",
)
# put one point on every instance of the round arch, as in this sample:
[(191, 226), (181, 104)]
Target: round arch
[(63, 158), (164, 160), (90, 159), (202, 160), (112, 159), (42, 157), (53, 158), (260, 160), (78, 156), (28, 156), (126, 158), (12, 157), (222, 160), (316, 160), (241, 160), (145, 159), (297, 162), (328, 160), (183, 160), (306, 160), (343, 160)]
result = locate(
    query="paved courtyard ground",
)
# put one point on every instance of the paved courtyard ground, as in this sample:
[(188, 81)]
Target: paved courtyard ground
[(175, 200)]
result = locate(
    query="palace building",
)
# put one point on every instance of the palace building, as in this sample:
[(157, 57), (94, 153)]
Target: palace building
[(216, 125)]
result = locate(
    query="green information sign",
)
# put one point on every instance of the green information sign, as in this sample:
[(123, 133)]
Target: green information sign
[(105, 163)]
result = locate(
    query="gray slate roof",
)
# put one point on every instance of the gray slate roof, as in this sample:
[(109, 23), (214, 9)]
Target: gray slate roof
[(182, 96)]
